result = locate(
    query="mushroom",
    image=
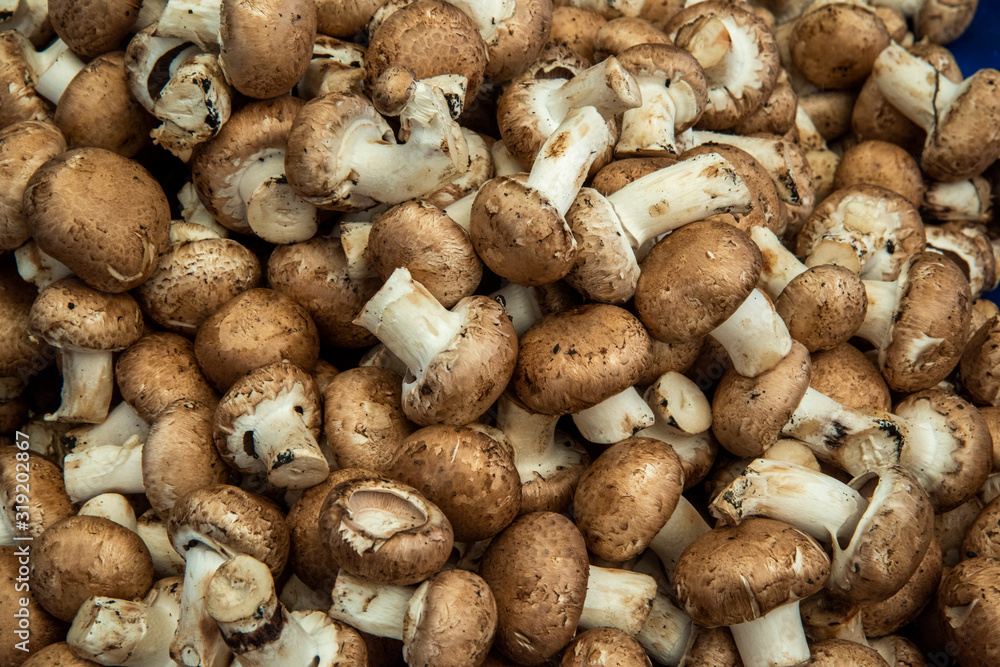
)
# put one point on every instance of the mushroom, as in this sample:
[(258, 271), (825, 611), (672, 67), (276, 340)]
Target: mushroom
[(106, 457), (847, 376), (970, 199), (448, 621), (712, 646), (89, 33), (24, 515), (751, 577), (883, 164), (24, 147), (269, 421), (834, 44), (23, 356), (100, 214), (514, 32), (459, 361), (153, 531), (19, 100), (30, 628), (58, 655), (981, 539), (967, 607), (157, 370), (835, 652), (825, 617), (604, 646), (576, 28), (968, 245), (624, 32), (87, 326), (883, 617)]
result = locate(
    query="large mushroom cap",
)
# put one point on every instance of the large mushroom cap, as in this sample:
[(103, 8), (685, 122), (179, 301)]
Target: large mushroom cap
[(92, 28), (537, 569), (100, 214), (158, 369), (24, 147), (969, 610), (606, 647), (733, 575), (573, 360), (70, 315), (22, 355), (837, 652)]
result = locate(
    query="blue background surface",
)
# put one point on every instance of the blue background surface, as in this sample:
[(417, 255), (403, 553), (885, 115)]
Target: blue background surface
[(978, 48)]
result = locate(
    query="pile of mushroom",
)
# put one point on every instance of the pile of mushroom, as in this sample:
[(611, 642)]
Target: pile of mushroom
[(510, 332)]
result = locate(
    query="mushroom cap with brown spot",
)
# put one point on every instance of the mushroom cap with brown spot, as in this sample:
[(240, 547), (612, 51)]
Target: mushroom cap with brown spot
[(838, 652), (933, 314), (90, 29), (847, 376), (884, 164), (749, 413), (694, 279), (431, 245), (72, 316), (252, 32), (81, 556), (823, 306), (968, 607), (883, 617), (258, 327), (315, 274), (537, 569), (24, 147), (468, 474), (713, 647), (231, 521), (102, 215), (736, 574), (967, 137), (626, 496), (22, 355), (194, 279), (454, 624), (157, 370), (607, 647), (574, 359), (251, 130), (835, 45), (983, 536), (100, 91), (605, 268), (943, 22), (431, 38), (178, 456), (577, 29)]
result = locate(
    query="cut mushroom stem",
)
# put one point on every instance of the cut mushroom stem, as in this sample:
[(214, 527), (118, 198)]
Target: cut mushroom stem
[(195, 20), (88, 382), (197, 643), (277, 434), (121, 424), (777, 638), (113, 507), (680, 530), (667, 632), (54, 69), (883, 299), (97, 469), (615, 418), (39, 268), (617, 599), (274, 212), (537, 453), (487, 15), (780, 266), (378, 609), (606, 86), (813, 502), (755, 336), (914, 87)]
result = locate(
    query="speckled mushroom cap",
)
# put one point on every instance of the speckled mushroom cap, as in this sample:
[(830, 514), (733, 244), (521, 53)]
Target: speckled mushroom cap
[(886, 616), (835, 45), (258, 327), (315, 274), (823, 306), (90, 29), (847, 376), (624, 32), (18, 98), (980, 364), (194, 279), (22, 355), (711, 264), (81, 556), (614, 176), (982, 538), (765, 206), (468, 474), (604, 647), (736, 574), (749, 413), (256, 129), (838, 652), (251, 33), (605, 268), (450, 621), (675, 66), (890, 538), (431, 245), (712, 647), (739, 93), (967, 605), (57, 655), (100, 214), (626, 496), (884, 164), (930, 324), (431, 38), (385, 531), (576, 28), (15, 597), (47, 503), (537, 569), (942, 22), (24, 147), (72, 316), (159, 369), (345, 19), (518, 39), (573, 360), (231, 521)]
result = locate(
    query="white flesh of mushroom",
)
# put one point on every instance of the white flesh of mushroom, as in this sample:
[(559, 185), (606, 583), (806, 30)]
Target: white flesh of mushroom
[(106, 456), (615, 418), (378, 609), (37, 267), (617, 599), (198, 643), (755, 336), (539, 454), (914, 87), (54, 69), (775, 639)]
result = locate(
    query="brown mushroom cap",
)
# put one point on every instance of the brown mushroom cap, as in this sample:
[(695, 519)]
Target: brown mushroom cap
[(968, 609), (835, 45), (100, 214), (967, 136), (626, 496), (468, 474), (537, 569), (518, 39), (847, 376), (82, 556), (625, 32), (431, 38), (712, 647), (616, 175), (384, 531), (18, 98), (883, 617), (736, 574), (576, 28), (57, 655), (573, 360), (604, 647), (157, 370), (258, 327), (24, 147), (251, 33), (47, 502), (884, 164), (92, 29), (823, 306), (22, 355), (711, 264), (70, 315), (838, 652), (983, 538), (980, 364)]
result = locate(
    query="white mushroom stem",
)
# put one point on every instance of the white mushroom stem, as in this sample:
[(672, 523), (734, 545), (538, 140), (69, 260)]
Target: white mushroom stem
[(666, 633), (273, 211), (815, 503), (931, 444), (193, 211), (122, 423), (297, 596), (487, 15), (194, 20), (680, 530), (776, 639), (29, 17), (914, 87), (883, 299), (649, 129), (88, 382), (53, 68), (755, 336), (504, 162), (521, 306), (780, 265), (617, 599), (37, 267), (91, 471), (113, 507), (678, 401), (728, 53), (126, 632), (198, 642), (538, 455), (859, 237), (607, 86), (461, 211), (377, 609), (354, 241), (961, 200), (409, 321), (615, 418), (690, 190)]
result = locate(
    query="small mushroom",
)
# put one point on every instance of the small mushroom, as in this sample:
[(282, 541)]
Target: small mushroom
[(157, 370)]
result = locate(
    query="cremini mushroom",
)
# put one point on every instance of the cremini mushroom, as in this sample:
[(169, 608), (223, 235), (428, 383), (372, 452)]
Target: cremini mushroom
[(966, 605), (157, 370), (24, 147)]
